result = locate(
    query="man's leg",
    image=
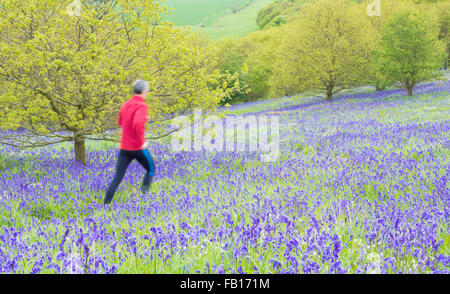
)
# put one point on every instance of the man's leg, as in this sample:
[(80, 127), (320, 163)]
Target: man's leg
[(146, 160), (122, 164)]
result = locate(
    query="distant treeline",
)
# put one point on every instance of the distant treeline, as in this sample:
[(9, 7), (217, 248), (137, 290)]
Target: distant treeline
[(278, 12), (328, 46)]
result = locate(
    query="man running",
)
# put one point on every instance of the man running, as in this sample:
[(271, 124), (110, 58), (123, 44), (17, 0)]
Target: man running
[(133, 116)]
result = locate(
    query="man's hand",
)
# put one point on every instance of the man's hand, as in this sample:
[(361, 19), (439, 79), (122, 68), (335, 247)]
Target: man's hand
[(145, 146), (148, 119)]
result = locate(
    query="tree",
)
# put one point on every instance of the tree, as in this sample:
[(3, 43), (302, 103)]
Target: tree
[(277, 12), (327, 49), (66, 67), (444, 25), (232, 58), (256, 53), (387, 9), (262, 51), (409, 51)]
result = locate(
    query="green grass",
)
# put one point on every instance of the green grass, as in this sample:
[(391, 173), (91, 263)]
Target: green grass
[(194, 12), (215, 18)]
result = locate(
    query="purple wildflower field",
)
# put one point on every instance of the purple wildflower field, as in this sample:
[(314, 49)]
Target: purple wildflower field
[(361, 186)]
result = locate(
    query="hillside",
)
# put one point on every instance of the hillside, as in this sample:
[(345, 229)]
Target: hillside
[(366, 169), (217, 19), (278, 12), (197, 12)]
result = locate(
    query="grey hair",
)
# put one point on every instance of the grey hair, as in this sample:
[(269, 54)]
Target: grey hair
[(140, 85)]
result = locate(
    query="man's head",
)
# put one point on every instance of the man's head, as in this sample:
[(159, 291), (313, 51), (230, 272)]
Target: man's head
[(141, 88)]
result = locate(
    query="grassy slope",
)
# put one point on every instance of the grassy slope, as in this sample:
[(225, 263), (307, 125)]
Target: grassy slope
[(216, 19), (238, 24)]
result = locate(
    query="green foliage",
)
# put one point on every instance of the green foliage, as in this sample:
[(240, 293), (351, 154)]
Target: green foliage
[(266, 14), (255, 54), (443, 13), (326, 49), (314, 53), (409, 51), (65, 76), (278, 12), (260, 62)]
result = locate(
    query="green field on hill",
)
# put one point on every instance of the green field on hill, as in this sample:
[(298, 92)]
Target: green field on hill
[(217, 18)]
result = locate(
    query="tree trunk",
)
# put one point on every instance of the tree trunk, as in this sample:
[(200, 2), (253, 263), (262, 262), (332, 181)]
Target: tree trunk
[(329, 94), (379, 86), (80, 150), (410, 90)]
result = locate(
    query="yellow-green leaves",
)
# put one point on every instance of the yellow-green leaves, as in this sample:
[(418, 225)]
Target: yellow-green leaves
[(251, 59), (409, 50), (72, 73), (326, 48)]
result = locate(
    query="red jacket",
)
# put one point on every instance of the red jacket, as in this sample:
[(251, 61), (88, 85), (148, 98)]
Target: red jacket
[(132, 119)]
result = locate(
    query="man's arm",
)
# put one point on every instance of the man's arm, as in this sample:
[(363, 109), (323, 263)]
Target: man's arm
[(139, 120)]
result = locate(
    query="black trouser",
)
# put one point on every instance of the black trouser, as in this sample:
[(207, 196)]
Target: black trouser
[(125, 158)]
